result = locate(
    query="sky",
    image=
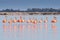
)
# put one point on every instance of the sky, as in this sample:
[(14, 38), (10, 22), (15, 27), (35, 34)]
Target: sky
[(24, 4)]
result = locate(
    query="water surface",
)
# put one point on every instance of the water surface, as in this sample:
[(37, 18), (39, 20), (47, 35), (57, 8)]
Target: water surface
[(29, 31)]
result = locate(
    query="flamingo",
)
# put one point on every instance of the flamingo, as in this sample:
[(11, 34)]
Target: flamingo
[(5, 20), (54, 20), (41, 20), (14, 21), (20, 20), (29, 21), (46, 20), (34, 21), (10, 21)]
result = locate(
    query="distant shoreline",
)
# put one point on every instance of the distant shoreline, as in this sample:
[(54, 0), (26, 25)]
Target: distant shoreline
[(29, 13)]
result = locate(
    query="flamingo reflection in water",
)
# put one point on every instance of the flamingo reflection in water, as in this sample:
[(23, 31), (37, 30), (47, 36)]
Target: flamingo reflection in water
[(4, 28), (15, 28), (10, 28), (46, 26), (54, 29), (35, 28), (21, 27), (29, 27)]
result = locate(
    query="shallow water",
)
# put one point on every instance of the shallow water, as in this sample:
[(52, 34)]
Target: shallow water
[(29, 31)]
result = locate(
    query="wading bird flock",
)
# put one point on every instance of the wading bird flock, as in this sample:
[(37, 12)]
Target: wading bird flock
[(30, 20), (34, 21)]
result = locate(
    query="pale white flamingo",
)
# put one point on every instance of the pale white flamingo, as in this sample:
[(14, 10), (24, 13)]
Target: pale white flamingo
[(15, 20), (29, 20), (10, 21), (41, 20), (46, 20)]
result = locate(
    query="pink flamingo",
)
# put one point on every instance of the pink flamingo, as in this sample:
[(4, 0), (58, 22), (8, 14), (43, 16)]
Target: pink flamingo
[(5, 20), (54, 20)]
